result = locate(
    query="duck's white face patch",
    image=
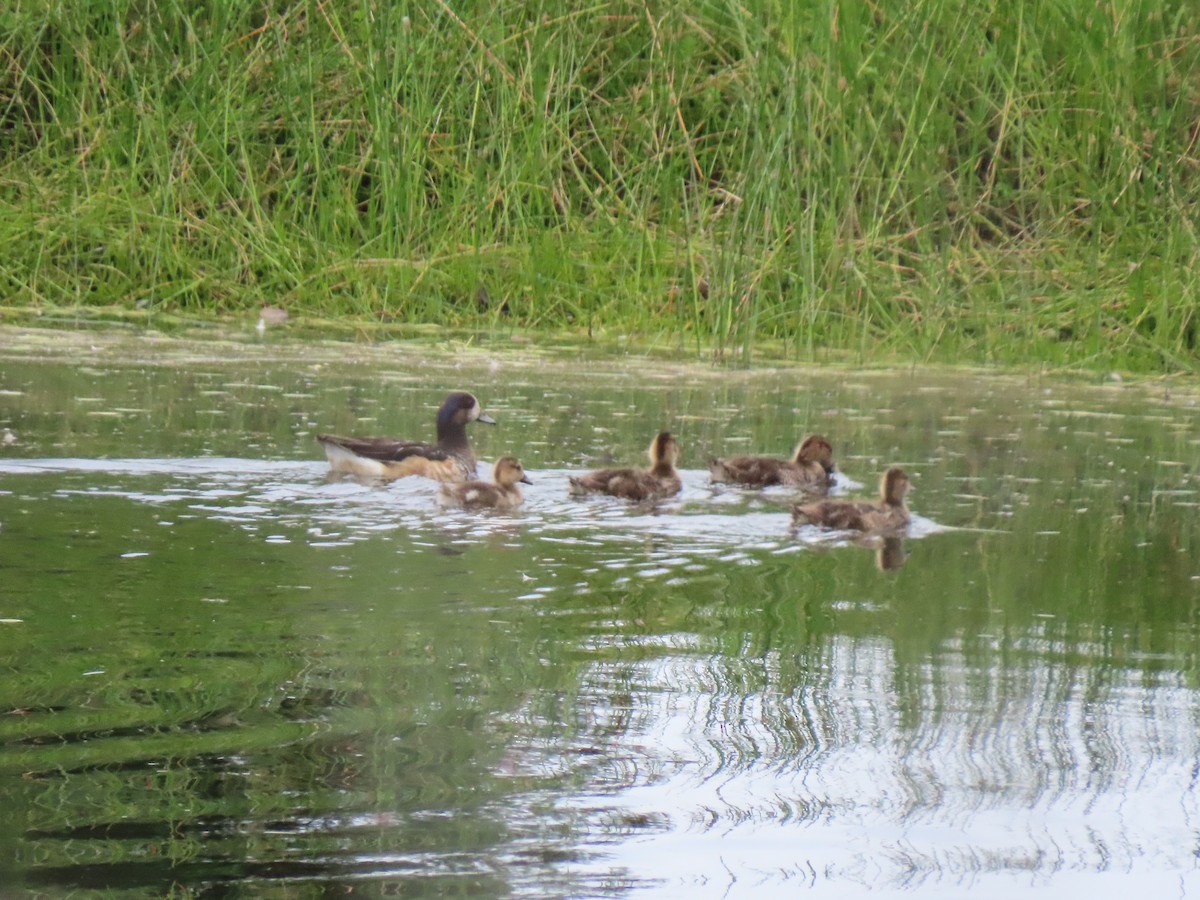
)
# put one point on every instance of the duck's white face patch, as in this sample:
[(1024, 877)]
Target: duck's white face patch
[(475, 413)]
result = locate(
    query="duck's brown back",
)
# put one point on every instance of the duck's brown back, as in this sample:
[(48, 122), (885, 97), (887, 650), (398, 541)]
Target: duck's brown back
[(851, 515), (629, 484), (765, 471), (389, 458)]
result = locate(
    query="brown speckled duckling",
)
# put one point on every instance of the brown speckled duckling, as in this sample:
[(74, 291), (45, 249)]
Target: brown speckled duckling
[(811, 465), (889, 513), (503, 494), (450, 459), (660, 480)]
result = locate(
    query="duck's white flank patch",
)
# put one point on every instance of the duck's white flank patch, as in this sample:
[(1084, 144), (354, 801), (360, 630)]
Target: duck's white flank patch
[(342, 460)]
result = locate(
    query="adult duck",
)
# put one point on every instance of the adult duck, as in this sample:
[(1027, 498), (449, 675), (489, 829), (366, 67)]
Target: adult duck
[(660, 480), (811, 466), (450, 459), (888, 513)]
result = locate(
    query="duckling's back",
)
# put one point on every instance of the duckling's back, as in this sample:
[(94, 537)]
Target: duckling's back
[(628, 484), (851, 515), (766, 471), (479, 495)]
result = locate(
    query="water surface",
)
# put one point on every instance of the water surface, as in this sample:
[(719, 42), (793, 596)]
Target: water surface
[(226, 675)]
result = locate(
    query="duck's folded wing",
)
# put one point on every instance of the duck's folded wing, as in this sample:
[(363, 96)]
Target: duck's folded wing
[(473, 495), (752, 470), (385, 449), (836, 514), (629, 484)]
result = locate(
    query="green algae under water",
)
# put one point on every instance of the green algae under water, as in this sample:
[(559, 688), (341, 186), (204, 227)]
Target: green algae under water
[(226, 675)]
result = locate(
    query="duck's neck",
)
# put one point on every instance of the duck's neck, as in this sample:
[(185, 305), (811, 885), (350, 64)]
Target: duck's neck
[(452, 436), (664, 468)]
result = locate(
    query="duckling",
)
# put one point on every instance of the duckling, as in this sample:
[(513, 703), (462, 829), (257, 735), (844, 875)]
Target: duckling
[(450, 459), (888, 513), (660, 480), (504, 494), (811, 465)]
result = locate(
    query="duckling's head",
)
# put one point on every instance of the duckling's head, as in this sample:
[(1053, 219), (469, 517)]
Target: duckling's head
[(816, 448), (664, 449), (894, 486), (508, 471), (460, 408)]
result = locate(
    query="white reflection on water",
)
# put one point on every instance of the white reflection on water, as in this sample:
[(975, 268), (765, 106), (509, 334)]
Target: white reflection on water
[(703, 518), (1023, 783)]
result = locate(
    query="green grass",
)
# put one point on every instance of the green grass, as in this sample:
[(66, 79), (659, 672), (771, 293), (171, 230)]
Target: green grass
[(1001, 181)]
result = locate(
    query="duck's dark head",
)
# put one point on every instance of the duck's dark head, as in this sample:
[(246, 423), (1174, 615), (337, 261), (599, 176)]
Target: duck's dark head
[(894, 486), (460, 408)]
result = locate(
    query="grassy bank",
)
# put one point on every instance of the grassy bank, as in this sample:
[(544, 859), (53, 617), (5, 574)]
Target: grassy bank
[(1008, 181)]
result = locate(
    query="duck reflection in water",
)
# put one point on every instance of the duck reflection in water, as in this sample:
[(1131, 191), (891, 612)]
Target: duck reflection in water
[(890, 554), (888, 550)]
